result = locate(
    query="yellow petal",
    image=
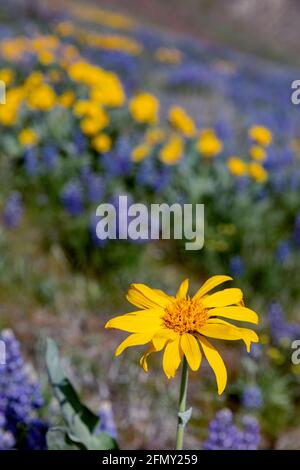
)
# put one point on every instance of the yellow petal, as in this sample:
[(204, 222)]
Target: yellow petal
[(210, 284), (216, 363), (162, 336), (223, 330), (135, 323), (223, 298), (143, 360), (183, 289), (190, 348), (235, 313), (158, 342), (172, 357), (136, 339), (144, 297)]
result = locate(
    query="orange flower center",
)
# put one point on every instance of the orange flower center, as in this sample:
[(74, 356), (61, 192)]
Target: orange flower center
[(185, 315)]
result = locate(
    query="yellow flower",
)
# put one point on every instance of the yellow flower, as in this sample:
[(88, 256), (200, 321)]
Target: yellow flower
[(67, 99), (91, 126), (168, 56), (140, 152), (42, 98), (208, 144), (144, 108), (236, 166), (9, 112), (257, 153), (262, 135), (46, 57), (172, 151), (65, 28), (101, 143), (182, 121), (6, 76), (154, 136), (182, 323), (105, 87), (27, 137), (257, 172)]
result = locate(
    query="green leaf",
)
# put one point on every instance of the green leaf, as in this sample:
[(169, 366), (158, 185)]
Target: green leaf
[(81, 422), (58, 439), (185, 416)]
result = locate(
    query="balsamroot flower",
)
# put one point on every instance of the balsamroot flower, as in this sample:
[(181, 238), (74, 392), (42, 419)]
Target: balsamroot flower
[(181, 325)]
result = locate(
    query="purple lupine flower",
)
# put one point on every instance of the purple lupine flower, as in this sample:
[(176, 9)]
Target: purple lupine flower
[(252, 397), (222, 434), (36, 435), (280, 328), (50, 157), (31, 162), (72, 198), (283, 251), (95, 188), (154, 177), (225, 435), (256, 351), (13, 210), (80, 142), (118, 161), (93, 184), (7, 440), (250, 436), (107, 422), (237, 267), (20, 394), (297, 230)]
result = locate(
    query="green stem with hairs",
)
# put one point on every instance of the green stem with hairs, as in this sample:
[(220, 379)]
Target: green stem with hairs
[(182, 404)]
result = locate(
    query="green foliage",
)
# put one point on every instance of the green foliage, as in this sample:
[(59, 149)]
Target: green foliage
[(81, 424)]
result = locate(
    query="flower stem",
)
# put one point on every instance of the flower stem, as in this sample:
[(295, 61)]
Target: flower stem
[(182, 404)]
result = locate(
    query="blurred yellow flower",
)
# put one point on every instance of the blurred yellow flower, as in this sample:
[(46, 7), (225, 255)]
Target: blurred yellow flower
[(65, 28), (9, 112), (28, 137), (46, 57), (275, 355), (168, 55), (6, 76), (42, 98), (209, 145), (181, 324), (91, 126), (140, 152), (257, 172), (154, 136), (236, 166), (262, 135), (172, 151), (102, 143), (144, 108), (67, 99), (257, 153), (182, 121)]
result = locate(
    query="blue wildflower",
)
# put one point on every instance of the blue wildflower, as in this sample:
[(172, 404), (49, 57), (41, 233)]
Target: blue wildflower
[(13, 210), (107, 423), (252, 397), (237, 267), (72, 198)]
